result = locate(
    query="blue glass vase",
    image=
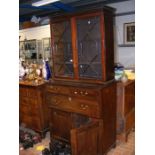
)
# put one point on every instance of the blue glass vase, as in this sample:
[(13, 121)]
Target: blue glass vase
[(48, 70)]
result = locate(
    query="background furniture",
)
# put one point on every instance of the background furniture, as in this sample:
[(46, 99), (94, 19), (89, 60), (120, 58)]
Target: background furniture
[(125, 108), (30, 49), (33, 111), (35, 50)]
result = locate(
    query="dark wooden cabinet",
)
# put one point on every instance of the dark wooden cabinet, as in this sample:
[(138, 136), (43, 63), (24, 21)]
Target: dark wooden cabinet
[(33, 111), (83, 115), (82, 46), (125, 108), (82, 93)]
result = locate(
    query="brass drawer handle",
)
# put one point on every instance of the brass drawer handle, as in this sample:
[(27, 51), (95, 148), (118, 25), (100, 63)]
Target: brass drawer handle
[(84, 107), (51, 87), (86, 93), (75, 92), (55, 101), (69, 99), (83, 93), (54, 88)]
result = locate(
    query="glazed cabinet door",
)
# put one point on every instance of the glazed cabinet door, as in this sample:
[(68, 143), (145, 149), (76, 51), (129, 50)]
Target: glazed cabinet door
[(86, 140), (89, 47), (82, 46), (62, 49)]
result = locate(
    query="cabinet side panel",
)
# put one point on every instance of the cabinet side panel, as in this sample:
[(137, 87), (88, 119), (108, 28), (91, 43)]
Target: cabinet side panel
[(109, 45), (109, 116)]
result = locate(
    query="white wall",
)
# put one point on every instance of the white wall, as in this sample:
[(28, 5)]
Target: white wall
[(124, 55), (35, 33)]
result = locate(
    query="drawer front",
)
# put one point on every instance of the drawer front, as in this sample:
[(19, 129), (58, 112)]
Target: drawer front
[(36, 123), (25, 119), (23, 92), (25, 109), (84, 93), (32, 93), (74, 91), (74, 104), (35, 112), (34, 103), (58, 89), (24, 100), (28, 92)]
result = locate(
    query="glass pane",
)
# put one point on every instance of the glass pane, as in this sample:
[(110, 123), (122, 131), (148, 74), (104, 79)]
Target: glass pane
[(47, 48), (62, 54), (89, 47), (21, 49), (30, 50)]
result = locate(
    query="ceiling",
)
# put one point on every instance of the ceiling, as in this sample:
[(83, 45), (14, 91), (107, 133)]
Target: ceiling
[(26, 10)]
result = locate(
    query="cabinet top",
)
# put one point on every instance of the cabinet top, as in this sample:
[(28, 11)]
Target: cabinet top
[(31, 83), (126, 83), (83, 10)]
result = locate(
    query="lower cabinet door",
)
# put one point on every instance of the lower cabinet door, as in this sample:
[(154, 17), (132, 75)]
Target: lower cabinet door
[(60, 124), (84, 135), (87, 140)]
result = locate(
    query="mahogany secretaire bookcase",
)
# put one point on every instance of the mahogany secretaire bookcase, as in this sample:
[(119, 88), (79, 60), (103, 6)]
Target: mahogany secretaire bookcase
[(82, 93)]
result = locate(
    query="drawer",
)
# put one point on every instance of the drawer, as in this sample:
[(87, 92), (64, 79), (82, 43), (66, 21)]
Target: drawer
[(25, 119), (34, 102), (35, 112), (36, 123), (74, 91), (23, 92), (32, 93), (24, 109), (84, 93), (74, 104), (28, 92), (24, 100), (58, 89)]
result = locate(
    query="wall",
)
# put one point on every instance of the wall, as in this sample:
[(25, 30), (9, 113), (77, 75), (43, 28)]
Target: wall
[(124, 55), (35, 33)]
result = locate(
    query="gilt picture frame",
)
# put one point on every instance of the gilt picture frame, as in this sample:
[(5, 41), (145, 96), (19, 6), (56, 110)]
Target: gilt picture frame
[(129, 33)]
